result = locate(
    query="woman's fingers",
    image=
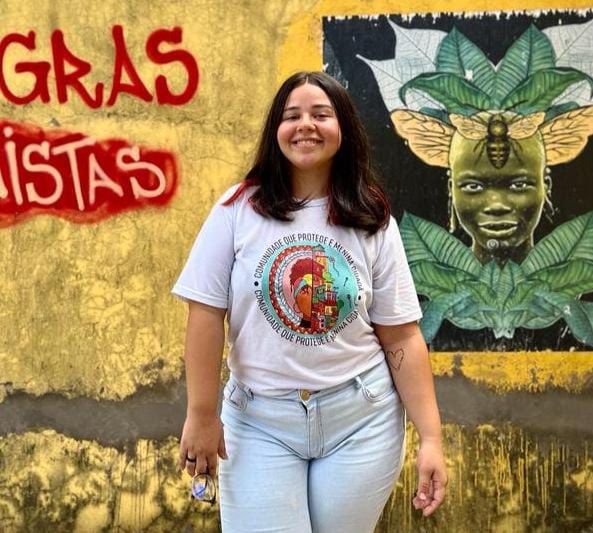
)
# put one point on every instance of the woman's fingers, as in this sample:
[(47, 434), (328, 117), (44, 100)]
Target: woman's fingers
[(200, 466), (222, 446), (437, 499), (422, 498)]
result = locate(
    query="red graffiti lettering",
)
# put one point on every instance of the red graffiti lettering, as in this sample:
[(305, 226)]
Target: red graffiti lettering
[(77, 177), (70, 70), (162, 58)]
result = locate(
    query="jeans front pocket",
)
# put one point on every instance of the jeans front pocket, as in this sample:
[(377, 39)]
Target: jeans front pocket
[(376, 384), (235, 396)]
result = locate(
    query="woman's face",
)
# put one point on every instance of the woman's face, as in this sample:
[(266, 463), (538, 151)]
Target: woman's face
[(498, 207), (309, 134)]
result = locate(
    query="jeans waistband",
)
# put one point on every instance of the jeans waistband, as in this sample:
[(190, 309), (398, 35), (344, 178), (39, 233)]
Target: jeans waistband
[(296, 393)]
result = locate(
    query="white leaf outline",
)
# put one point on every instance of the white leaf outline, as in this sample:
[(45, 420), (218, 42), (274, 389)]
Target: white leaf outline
[(573, 45), (415, 53)]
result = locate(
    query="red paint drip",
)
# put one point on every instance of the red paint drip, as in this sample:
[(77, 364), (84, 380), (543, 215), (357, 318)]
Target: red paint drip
[(76, 177)]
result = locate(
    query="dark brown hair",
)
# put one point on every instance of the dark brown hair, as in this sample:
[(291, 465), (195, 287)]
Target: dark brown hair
[(355, 197)]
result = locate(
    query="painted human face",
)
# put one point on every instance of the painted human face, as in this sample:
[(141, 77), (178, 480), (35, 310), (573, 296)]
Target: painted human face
[(309, 134), (498, 207), (303, 301)]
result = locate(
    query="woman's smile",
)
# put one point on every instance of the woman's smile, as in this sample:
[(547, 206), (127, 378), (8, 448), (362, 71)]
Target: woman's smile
[(307, 142)]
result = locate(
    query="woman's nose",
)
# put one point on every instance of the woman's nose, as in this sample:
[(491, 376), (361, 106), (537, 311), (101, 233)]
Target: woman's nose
[(306, 123), (497, 204)]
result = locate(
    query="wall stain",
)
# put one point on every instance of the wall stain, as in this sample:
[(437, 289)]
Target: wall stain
[(502, 479)]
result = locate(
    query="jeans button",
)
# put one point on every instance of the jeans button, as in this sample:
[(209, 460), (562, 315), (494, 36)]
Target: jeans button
[(304, 394)]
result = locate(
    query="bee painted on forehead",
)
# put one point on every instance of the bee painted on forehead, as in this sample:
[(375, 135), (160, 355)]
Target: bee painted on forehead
[(498, 133)]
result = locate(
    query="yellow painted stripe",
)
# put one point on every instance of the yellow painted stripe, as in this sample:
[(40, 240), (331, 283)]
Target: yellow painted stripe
[(531, 371)]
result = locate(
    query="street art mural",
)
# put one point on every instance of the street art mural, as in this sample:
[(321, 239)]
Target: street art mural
[(499, 121)]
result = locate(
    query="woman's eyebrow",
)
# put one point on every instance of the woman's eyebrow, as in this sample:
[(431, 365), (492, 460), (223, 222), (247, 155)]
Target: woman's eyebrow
[(469, 175), (522, 174), (316, 106)]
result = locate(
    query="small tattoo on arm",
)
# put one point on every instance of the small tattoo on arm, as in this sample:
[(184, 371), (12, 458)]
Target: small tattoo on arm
[(395, 359)]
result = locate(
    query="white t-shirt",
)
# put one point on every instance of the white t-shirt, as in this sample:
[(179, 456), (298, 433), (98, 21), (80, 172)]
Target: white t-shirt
[(300, 295)]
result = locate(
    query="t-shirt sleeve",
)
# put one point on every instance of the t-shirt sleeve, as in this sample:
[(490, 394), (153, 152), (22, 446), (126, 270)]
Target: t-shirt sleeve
[(394, 295), (206, 276)]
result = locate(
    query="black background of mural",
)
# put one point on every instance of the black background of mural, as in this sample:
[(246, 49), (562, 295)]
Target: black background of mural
[(421, 189)]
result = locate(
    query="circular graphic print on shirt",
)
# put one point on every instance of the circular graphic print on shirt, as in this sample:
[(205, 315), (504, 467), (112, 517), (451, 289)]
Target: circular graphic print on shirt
[(308, 288)]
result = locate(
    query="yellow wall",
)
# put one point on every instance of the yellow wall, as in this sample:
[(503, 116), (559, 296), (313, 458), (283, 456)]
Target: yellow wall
[(86, 307)]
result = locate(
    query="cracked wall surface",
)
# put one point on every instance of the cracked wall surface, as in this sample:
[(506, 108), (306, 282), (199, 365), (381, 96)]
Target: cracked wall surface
[(91, 341)]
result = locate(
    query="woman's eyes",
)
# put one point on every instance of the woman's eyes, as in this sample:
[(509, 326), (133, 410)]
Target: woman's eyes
[(471, 187), (321, 116), (519, 185), (475, 187)]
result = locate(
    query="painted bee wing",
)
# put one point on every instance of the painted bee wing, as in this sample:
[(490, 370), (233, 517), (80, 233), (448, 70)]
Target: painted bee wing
[(566, 135), (470, 128), (523, 127), (428, 137)]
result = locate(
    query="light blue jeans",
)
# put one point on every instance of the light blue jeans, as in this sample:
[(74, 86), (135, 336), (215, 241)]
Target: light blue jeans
[(320, 464)]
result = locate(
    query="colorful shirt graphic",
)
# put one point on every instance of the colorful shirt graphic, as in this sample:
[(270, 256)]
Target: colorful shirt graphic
[(301, 295), (308, 288)]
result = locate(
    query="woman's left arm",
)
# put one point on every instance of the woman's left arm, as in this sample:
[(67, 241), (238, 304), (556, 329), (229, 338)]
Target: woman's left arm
[(407, 355)]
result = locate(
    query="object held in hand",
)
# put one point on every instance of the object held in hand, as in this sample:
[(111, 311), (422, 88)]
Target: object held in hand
[(203, 488)]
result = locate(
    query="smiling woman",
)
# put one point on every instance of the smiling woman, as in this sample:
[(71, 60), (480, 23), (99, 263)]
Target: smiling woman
[(310, 264)]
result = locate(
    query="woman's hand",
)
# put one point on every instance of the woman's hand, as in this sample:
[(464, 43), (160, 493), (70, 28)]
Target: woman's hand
[(432, 478), (203, 440)]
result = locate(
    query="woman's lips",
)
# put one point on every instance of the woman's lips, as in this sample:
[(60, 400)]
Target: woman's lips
[(306, 142), (500, 228)]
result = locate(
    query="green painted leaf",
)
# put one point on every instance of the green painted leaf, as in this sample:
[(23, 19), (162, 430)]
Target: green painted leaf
[(521, 297), (455, 93), (577, 315), (483, 293), (510, 276), (458, 55), (426, 241), (571, 241), (555, 110), (580, 321), (434, 280), (542, 312), (538, 91), (471, 323), (535, 294), (470, 314), (531, 52), (434, 312), (572, 278), (440, 114), (517, 309)]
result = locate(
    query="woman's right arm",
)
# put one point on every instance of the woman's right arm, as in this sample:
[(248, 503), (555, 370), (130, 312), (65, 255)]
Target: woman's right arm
[(202, 435)]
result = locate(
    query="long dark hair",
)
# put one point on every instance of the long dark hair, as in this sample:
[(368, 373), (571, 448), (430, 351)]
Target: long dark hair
[(356, 198)]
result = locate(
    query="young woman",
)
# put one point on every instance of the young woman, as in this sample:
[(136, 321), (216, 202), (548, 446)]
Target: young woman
[(308, 265)]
